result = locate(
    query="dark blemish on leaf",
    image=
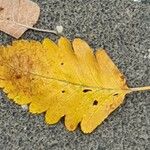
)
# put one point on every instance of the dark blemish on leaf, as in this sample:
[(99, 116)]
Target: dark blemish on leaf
[(62, 63), (1, 8), (18, 76), (63, 91), (95, 102), (115, 94), (112, 106), (87, 90), (122, 77), (71, 127)]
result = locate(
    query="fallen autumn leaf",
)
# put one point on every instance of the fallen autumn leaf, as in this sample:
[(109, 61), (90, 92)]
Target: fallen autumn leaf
[(64, 79), (16, 16)]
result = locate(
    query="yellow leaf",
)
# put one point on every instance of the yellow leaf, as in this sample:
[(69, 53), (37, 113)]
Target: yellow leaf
[(16, 16), (64, 79)]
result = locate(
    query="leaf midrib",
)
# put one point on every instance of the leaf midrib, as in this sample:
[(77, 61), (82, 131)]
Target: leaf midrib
[(68, 82), (76, 84)]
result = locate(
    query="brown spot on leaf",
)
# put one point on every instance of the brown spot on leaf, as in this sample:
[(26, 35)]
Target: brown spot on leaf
[(20, 68), (112, 106), (122, 77), (18, 76), (71, 127), (1, 8)]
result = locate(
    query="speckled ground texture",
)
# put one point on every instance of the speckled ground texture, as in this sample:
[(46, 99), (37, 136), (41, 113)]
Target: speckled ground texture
[(122, 27)]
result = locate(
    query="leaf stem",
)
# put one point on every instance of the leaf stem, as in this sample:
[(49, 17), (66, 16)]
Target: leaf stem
[(37, 29), (140, 89)]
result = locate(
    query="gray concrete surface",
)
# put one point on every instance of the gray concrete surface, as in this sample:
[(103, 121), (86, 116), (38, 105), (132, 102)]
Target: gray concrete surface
[(123, 28)]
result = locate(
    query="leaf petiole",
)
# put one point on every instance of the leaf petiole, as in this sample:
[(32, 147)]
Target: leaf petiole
[(59, 29), (140, 89)]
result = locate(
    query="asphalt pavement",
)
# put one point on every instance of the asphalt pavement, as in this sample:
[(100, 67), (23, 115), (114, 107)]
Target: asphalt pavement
[(122, 27)]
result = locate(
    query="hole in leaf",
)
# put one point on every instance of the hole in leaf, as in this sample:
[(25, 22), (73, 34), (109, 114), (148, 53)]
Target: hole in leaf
[(87, 90), (62, 63), (115, 94), (95, 102), (63, 91)]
